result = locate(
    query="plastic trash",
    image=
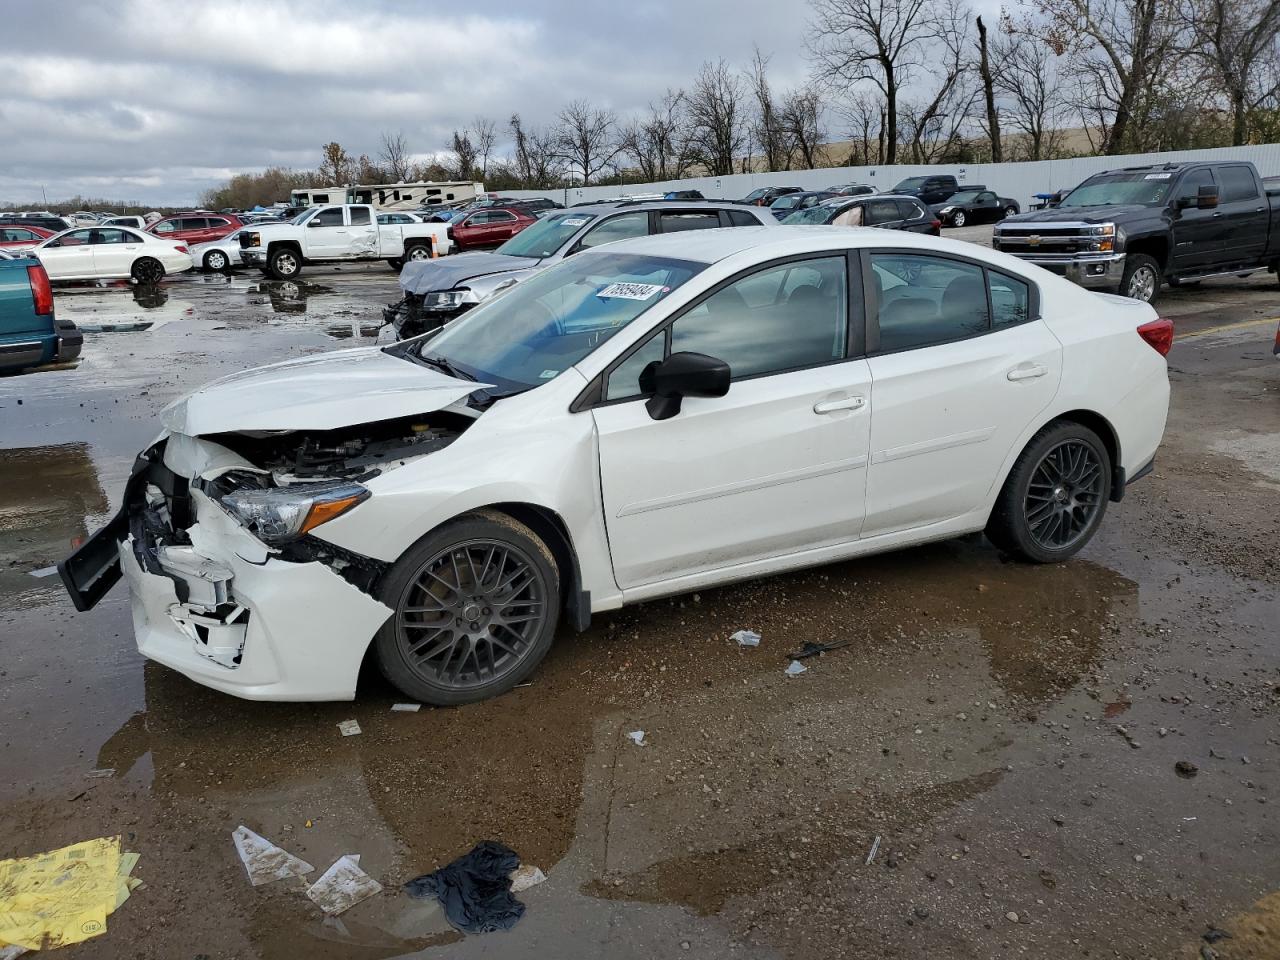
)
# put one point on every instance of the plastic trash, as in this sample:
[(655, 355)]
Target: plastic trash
[(405, 707), (795, 668), (811, 649), (475, 889), (343, 885), (263, 860), (527, 876), (106, 773), (63, 896), (636, 737), (875, 848), (746, 638), (44, 572), (349, 728)]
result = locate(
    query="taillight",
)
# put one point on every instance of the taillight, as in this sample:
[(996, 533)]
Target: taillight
[(182, 248), (41, 291), (1159, 334), (936, 224)]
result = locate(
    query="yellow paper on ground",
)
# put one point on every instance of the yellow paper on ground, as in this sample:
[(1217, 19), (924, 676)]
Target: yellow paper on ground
[(63, 896)]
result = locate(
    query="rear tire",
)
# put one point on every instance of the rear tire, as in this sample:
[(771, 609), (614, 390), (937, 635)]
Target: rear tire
[(1010, 211), (147, 270), (1141, 279), (1055, 496), (417, 252), (476, 604)]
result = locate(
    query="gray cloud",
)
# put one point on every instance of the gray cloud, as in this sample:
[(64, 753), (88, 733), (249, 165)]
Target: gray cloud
[(155, 101)]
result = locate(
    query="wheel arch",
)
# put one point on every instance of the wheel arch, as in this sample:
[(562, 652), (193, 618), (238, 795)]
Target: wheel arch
[(1086, 418), (275, 245), (554, 532), (1155, 247)]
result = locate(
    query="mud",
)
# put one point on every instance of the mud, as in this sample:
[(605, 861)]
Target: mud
[(1009, 732)]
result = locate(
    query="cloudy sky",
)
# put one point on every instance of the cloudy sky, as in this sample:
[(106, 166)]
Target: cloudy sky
[(156, 100)]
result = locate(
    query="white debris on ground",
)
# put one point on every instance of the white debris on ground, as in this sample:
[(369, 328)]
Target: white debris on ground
[(405, 707), (349, 728), (637, 737), (526, 876), (795, 668), (42, 572), (264, 861), (746, 638), (343, 885)]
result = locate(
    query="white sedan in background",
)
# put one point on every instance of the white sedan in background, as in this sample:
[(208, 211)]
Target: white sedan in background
[(219, 255), (646, 418), (104, 253)]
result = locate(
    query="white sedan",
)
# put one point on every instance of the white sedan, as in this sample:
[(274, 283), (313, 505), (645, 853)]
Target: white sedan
[(103, 253), (219, 255), (649, 417)]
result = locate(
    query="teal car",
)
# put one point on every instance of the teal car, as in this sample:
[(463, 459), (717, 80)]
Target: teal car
[(31, 335)]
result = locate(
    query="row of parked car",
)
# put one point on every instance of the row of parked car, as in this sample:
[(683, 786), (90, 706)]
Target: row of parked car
[(940, 197)]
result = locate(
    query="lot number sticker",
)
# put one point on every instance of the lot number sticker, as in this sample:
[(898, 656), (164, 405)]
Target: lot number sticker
[(631, 291), (574, 221)]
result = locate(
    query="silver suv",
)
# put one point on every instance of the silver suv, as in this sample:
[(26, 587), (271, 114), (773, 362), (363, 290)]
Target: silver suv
[(436, 291)]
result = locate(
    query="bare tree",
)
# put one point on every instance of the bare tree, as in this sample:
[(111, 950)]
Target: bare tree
[(1235, 42), (585, 139), (465, 153), (658, 142), (934, 122), (989, 94), (716, 118), (486, 135), (1117, 47), (768, 130), (335, 165), (864, 115), (395, 156), (800, 116), (854, 41), (537, 162), (1027, 81)]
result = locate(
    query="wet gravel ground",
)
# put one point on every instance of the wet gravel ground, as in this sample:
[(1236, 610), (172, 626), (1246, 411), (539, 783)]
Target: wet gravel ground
[(1008, 733)]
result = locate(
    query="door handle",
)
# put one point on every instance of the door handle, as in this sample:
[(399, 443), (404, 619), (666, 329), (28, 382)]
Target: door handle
[(847, 403), (1028, 372)]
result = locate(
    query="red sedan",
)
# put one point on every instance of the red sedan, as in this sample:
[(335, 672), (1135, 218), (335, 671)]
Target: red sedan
[(18, 236), (489, 226), (196, 227)]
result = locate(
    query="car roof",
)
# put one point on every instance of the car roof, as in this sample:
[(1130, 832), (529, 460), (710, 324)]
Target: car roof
[(606, 206), (711, 246)]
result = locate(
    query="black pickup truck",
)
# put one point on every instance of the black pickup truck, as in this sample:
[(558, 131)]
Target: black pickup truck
[(1128, 231)]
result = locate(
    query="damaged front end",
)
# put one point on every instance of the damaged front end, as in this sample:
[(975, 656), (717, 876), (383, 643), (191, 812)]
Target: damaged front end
[(410, 317), (229, 585)]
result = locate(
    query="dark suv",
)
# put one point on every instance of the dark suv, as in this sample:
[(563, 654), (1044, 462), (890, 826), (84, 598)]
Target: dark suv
[(880, 210), (764, 196), (438, 290), (931, 189)]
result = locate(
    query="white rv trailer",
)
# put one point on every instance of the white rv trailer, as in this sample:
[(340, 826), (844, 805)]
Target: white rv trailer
[(392, 196)]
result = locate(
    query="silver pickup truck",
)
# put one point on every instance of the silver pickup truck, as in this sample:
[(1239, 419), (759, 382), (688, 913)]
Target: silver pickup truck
[(335, 234)]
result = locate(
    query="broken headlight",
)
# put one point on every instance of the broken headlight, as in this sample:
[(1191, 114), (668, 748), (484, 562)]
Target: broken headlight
[(448, 299), (280, 514)]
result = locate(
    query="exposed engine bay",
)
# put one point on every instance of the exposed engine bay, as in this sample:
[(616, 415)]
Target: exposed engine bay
[(356, 452)]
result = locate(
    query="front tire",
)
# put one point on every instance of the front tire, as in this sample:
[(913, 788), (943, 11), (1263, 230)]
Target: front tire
[(1055, 496), (215, 261), (476, 604), (1010, 211), (284, 263), (147, 270), (1141, 279), (958, 219)]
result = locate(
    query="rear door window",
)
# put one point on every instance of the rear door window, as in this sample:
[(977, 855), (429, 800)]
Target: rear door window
[(882, 211), (927, 300), (360, 216), (909, 210), (740, 218), (1237, 184)]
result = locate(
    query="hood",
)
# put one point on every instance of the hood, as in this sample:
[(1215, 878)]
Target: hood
[(445, 273), (1083, 214), (338, 389)]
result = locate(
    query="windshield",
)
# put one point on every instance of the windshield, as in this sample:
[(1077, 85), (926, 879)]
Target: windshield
[(819, 214), (1148, 189), (785, 203), (543, 326), (756, 194), (911, 183), (966, 196), (545, 237)]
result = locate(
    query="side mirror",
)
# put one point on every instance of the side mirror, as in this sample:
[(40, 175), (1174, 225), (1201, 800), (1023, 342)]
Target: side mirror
[(313, 222), (1207, 197), (53, 243), (682, 375)]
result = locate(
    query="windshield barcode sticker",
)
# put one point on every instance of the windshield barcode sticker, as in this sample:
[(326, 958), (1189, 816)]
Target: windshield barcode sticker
[(574, 221), (1157, 176), (631, 291)]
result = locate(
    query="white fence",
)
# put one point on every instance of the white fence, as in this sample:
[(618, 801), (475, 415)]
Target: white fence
[(1021, 181)]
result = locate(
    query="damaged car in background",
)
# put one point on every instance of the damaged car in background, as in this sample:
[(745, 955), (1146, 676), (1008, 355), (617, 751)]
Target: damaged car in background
[(657, 416)]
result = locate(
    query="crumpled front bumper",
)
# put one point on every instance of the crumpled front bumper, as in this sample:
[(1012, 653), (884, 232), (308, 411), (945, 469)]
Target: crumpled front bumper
[(216, 604), (253, 256)]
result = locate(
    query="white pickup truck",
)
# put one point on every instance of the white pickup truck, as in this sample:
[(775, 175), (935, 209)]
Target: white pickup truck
[(338, 233)]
